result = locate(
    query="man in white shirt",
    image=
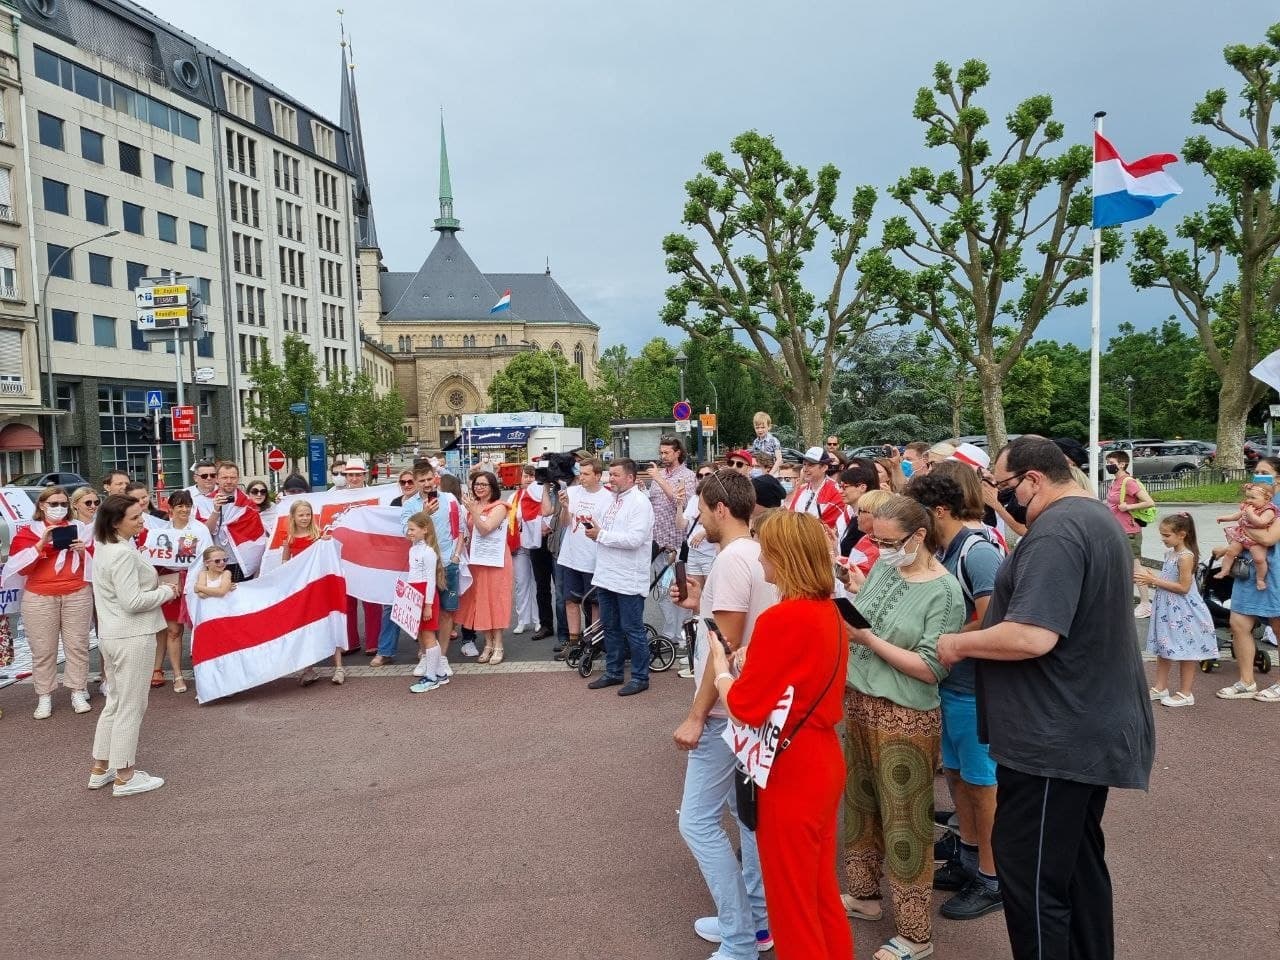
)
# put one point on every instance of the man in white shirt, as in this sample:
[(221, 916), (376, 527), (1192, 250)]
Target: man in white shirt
[(585, 502), (624, 550), (202, 491), (734, 594)]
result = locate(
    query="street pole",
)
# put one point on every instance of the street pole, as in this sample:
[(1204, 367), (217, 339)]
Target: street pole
[(1128, 382), (51, 399), (555, 384)]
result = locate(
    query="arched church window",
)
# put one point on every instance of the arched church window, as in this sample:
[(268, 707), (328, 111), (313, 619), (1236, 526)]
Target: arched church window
[(579, 359)]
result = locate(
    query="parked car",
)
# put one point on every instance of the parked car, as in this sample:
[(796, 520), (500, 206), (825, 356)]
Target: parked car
[(38, 481), (1162, 459)]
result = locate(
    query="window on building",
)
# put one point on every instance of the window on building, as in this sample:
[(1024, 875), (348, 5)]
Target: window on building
[(6, 194), (579, 359), (104, 331), (134, 272), (95, 207), (56, 196), (167, 227), (65, 397), (204, 346), (9, 272), (64, 326), (91, 145), (133, 218), (136, 340), (205, 286), (59, 262), (99, 269), (199, 236), (130, 159), (50, 128), (164, 170), (195, 182)]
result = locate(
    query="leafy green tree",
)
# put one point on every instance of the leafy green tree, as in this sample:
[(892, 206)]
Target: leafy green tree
[(1224, 277), (276, 386), (617, 392), (527, 382), (891, 390), (762, 217), (354, 419), (994, 242), (655, 380), (1166, 400)]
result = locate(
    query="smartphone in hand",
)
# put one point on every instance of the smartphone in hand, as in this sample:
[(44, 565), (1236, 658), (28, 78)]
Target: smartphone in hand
[(682, 581), (714, 630), (851, 614)]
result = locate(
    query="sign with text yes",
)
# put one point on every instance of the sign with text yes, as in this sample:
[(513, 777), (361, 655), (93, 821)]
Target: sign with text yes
[(755, 747)]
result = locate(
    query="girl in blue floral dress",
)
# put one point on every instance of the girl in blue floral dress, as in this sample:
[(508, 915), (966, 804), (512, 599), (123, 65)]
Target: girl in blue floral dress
[(1181, 626)]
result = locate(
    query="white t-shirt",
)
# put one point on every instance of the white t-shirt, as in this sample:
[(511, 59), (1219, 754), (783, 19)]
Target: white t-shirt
[(422, 569), (577, 550), (706, 550), (736, 582)]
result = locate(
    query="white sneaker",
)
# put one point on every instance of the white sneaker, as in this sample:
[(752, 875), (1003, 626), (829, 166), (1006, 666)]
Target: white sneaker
[(1179, 700), (519, 628), (103, 689), (80, 701), (708, 928), (469, 649), (1157, 694), (1142, 611), (99, 780), (685, 673), (140, 782), (446, 671), (1238, 691), (44, 707), (421, 669)]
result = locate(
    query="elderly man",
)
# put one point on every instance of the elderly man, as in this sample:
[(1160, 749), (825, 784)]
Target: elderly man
[(818, 494), (621, 579), (1062, 701)]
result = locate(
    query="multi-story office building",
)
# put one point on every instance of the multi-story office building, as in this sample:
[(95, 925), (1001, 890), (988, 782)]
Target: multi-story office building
[(203, 169), (21, 399)]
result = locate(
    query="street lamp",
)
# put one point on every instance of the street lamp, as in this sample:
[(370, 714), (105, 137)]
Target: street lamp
[(48, 338), (681, 361), (1128, 382)]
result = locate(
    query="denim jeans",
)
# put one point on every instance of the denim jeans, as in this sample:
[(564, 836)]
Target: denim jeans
[(388, 635), (562, 622), (737, 889), (623, 617)]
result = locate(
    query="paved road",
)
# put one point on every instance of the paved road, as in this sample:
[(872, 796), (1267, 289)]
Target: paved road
[(512, 815)]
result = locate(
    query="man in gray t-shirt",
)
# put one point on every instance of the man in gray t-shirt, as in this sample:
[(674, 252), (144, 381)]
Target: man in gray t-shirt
[(1062, 700)]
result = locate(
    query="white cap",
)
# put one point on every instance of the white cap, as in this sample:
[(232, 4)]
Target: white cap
[(817, 455), (355, 465), (973, 455)]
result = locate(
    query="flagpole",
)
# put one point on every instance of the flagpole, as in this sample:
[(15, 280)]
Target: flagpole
[(1095, 345)]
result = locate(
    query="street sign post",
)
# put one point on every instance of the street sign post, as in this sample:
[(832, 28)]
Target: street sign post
[(155, 400), (186, 426), (318, 462), (275, 459), (682, 410), (682, 426), (599, 443)]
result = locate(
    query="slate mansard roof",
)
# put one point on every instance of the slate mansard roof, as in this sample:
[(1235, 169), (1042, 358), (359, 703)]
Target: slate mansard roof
[(450, 287)]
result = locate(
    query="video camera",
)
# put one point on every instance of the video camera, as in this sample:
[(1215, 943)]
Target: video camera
[(554, 468)]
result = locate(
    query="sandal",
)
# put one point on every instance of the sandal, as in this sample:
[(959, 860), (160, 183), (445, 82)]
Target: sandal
[(899, 948), (157, 678), (339, 676), (496, 658), (1269, 695), (179, 685), (853, 907)]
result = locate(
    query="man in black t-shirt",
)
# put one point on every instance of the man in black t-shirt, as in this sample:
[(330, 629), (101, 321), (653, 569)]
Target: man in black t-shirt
[(1062, 701)]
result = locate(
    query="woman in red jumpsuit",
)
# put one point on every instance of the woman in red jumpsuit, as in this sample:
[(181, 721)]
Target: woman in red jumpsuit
[(801, 642)]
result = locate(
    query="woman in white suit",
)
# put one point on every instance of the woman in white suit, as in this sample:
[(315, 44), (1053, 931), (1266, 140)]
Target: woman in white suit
[(127, 595)]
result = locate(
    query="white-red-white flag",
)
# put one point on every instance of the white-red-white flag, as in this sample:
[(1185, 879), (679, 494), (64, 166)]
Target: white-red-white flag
[(375, 552), (267, 628), (326, 507), (242, 524)]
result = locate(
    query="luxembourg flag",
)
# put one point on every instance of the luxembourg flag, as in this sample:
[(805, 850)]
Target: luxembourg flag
[(1128, 191), (504, 302)]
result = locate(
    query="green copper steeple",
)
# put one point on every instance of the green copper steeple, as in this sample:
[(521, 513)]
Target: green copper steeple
[(446, 220)]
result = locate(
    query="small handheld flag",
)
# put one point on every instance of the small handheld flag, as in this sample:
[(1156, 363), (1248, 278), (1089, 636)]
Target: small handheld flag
[(504, 303), (1128, 191)]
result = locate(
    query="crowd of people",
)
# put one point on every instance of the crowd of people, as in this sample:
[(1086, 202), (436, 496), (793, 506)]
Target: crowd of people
[(979, 615)]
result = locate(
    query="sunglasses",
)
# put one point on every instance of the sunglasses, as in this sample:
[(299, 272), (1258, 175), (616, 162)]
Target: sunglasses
[(406, 483), (205, 476), (257, 492), (90, 503), (737, 463), (57, 503), (703, 476), (890, 544), (217, 560)]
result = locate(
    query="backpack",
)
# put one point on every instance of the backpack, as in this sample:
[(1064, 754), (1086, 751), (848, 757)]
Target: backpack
[(1141, 517), (966, 545)]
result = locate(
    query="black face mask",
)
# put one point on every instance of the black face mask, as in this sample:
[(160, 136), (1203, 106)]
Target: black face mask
[(1009, 501), (1112, 469)]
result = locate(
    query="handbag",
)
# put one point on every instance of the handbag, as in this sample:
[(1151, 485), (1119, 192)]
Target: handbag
[(1242, 569), (1141, 517), (745, 791)]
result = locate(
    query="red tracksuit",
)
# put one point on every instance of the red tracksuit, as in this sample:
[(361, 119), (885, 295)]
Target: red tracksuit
[(800, 643)]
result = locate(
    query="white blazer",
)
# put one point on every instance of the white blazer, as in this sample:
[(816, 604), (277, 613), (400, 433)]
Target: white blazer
[(126, 592)]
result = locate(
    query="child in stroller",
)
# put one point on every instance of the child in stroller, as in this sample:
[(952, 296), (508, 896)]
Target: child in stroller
[(583, 656)]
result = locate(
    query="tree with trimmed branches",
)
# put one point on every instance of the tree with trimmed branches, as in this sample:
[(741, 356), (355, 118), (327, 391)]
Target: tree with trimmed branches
[(993, 242), (761, 217), (1224, 275)]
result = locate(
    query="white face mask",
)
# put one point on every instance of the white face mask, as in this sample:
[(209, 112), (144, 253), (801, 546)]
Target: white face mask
[(56, 514), (899, 558), (788, 485), (339, 481)]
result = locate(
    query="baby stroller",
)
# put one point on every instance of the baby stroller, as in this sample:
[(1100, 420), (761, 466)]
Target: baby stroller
[(583, 656), (1217, 597)]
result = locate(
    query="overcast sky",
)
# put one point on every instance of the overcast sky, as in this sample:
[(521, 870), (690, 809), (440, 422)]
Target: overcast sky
[(573, 124)]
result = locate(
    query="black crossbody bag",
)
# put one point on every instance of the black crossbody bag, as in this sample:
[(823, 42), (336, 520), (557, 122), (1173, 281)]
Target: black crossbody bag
[(744, 786)]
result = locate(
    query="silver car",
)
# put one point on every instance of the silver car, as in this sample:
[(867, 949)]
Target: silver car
[(1163, 459)]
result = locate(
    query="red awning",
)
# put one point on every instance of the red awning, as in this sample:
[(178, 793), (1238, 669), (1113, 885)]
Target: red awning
[(18, 436)]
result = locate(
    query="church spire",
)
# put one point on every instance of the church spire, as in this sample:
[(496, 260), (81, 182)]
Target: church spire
[(349, 119), (446, 220)]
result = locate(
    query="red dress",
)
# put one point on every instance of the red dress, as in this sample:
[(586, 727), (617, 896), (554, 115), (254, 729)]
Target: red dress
[(800, 643)]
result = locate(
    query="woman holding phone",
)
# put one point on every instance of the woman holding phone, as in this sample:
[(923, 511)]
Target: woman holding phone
[(57, 601)]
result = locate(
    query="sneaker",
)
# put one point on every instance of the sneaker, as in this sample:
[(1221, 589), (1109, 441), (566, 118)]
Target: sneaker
[(425, 684), (1157, 694), (1142, 611), (518, 628), (685, 673), (950, 876), (708, 928), (946, 848), (421, 669), (443, 678), (80, 701), (764, 941), (140, 782), (1238, 691), (99, 780), (446, 671), (1179, 700), (469, 649), (44, 707), (973, 901)]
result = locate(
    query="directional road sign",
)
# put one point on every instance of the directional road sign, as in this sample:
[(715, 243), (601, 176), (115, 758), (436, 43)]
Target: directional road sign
[(599, 443), (155, 400), (168, 296)]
